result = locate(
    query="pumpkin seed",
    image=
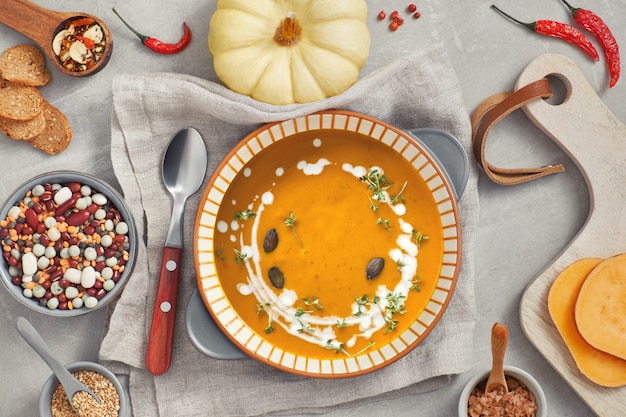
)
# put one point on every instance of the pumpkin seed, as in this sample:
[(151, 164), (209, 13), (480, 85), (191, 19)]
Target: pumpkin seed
[(276, 277), (374, 268), (271, 241)]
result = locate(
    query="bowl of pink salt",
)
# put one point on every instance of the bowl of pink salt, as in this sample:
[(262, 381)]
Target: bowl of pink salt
[(524, 398)]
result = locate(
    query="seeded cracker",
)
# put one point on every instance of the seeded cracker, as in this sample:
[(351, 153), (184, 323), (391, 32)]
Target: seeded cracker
[(24, 64), (57, 134), (19, 102), (23, 130)]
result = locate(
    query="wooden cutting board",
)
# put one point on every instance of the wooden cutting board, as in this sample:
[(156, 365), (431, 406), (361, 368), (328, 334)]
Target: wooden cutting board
[(595, 140)]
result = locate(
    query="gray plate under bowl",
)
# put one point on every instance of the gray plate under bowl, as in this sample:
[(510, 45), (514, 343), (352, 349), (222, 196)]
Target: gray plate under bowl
[(208, 338)]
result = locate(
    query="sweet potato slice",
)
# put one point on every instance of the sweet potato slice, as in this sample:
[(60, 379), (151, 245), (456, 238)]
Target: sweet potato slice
[(601, 307), (600, 367)]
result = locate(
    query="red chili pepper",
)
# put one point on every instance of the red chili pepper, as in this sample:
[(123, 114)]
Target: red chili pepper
[(558, 30), (594, 24), (158, 46), (86, 41)]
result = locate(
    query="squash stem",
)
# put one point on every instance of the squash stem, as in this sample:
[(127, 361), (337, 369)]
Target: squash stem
[(288, 31)]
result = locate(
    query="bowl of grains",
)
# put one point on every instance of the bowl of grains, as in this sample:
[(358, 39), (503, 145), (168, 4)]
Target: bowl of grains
[(69, 243), (114, 402), (525, 397)]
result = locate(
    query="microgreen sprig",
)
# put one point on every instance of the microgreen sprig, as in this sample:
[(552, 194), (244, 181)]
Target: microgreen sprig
[(416, 284), (245, 215), (239, 256), (266, 307), (220, 252), (384, 222), (419, 237), (290, 222), (378, 183), (313, 301), (398, 197), (337, 347)]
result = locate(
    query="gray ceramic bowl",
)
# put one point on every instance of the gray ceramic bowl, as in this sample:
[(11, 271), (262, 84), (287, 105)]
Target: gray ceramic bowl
[(521, 375), (64, 177), (45, 397)]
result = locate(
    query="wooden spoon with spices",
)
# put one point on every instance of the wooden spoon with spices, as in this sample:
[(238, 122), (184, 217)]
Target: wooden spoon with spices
[(42, 26), (499, 339)]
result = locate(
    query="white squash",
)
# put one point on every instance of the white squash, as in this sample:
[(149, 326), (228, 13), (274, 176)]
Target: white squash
[(289, 51)]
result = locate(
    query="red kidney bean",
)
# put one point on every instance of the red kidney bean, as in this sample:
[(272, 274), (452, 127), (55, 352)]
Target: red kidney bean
[(73, 263), (16, 280), (12, 261), (68, 204), (97, 285), (44, 240), (74, 186), (49, 205), (100, 265), (27, 230), (119, 239), (19, 227), (37, 207), (46, 284), (64, 283), (62, 298), (58, 245), (78, 218), (31, 218), (63, 306), (47, 196), (41, 228), (56, 275), (92, 291), (89, 230), (101, 293), (48, 295), (93, 207)]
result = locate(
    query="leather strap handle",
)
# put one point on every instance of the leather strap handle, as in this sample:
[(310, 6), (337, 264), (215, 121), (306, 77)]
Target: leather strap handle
[(491, 111)]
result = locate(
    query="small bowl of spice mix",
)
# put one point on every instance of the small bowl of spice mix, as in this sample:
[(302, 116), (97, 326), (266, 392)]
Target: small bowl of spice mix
[(525, 397), (69, 243), (114, 402)]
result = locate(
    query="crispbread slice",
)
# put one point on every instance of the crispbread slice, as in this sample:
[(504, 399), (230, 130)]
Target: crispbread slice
[(57, 134), (23, 130), (19, 102), (24, 64)]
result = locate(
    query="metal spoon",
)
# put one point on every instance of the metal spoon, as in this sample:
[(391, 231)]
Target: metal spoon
[(41, 25), (499, 339), (70, 384), (184, 167)]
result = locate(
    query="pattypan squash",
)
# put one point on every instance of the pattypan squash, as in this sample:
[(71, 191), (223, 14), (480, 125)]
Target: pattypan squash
[(289, 51)]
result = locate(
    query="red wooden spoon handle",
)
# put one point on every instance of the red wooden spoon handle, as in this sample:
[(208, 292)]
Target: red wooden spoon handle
[(162, 330)]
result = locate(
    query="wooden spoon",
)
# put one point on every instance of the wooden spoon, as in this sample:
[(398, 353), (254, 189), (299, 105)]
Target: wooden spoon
[(41, 25), (499, 339)]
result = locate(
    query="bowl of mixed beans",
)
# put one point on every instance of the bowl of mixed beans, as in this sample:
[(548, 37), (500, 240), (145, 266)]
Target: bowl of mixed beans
[(69, 243)]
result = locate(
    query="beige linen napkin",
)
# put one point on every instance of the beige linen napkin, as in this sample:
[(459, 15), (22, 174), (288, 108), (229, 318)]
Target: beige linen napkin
[(420, 90)]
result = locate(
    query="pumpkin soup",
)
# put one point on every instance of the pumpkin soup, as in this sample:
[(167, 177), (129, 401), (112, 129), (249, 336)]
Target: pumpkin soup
[(320, 244)]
